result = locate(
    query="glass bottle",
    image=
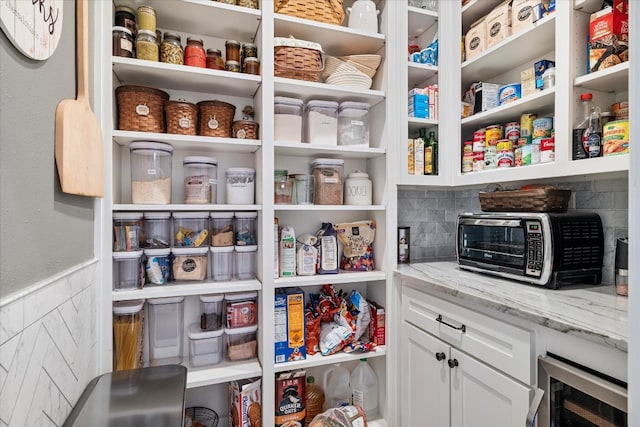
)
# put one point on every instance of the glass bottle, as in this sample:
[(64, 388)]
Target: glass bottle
[(592, 137), (432, 145), (586, 104), (315, 399), (194, 54), (282, 187)]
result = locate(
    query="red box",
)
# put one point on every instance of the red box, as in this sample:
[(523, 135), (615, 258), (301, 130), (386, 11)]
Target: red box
[(608, 22), (376, 326), (609, 37)]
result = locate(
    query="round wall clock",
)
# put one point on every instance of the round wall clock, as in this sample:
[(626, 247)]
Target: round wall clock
[(33, 26)]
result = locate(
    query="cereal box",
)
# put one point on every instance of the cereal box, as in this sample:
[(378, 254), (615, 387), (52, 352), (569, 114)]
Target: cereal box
[(608, 38), (244, 397), (289, 325), (377, 324), (539, 68), (290, 399)]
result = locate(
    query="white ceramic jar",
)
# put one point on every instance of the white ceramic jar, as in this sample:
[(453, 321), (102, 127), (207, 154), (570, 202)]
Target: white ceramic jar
[(240, 186), (357, 189)]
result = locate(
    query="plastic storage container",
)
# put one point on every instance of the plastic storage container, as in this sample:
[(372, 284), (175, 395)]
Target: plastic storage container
[(127, 231), (157, 230), (240, 186), (282, 187), (246, 262), (364, 388), (205, 347), (353, 124), (158, 266), (211, 309), (127, 270), (191, 229), (151, 172), (127, 335), (241, 343), (200, 179), (166, 326), (189, 263), (241, 309), (221, 229), (287, 119), (321, 122), (304, 189), (328, 186), (221, 263), (336, 387), (245, 228)]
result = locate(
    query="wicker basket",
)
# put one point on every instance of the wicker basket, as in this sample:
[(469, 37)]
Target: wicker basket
[(181, 117), (297, 59), (205, 416), (328, 11), (534, 200), (215, 118), (140, 108), (245, 129)]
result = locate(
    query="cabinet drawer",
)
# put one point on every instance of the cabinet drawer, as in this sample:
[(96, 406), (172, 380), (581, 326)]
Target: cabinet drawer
[(504, 346)]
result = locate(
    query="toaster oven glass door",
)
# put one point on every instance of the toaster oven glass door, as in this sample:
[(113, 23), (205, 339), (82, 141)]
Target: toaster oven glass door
[(494, 242)]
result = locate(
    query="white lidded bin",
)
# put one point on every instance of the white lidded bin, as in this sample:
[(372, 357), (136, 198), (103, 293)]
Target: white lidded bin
[(242, 343), (211, 312), (221, 225), (157, 230), (150, 172), (200, 179), (244, 225), (128, 336), (205, 347), (321, 122), (287, 119), (127, 270), (221, 263), (241, 309), (240, 186), (157, 266), (246, 256), (127, 231), (189, 263), (191, 229), (166, 329), (353, 124)]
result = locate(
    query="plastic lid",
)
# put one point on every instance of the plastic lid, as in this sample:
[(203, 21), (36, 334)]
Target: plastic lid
[(231, 42), (194, 39), (221, 249), (356, 105), (171, 35), (311, 379), (249, 248), (157, 215), (170, 300), (122, 8), (189, 251), (327, 162), (288, 101), (358, 174), (212, 298), (128, 307), (241, 296), (246, 215), (214, 51), (549, 71), (127, 215), (195, 333), (240, 171), (222, 215), (586, 96), (320, 103), (200, 159), (190, 215), (123, 29), (157, 252), (127, 255), (148, 145), (238, 331)]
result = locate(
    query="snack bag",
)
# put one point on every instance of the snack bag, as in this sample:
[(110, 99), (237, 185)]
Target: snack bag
[(356, 239)]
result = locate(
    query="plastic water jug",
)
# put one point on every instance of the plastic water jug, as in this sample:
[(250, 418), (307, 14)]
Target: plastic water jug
[(364, 386), (336, 387)]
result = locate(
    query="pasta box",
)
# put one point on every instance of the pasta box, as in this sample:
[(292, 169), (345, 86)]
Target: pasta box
[(289, 325)]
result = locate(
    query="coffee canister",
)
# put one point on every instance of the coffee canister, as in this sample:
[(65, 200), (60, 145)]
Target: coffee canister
[(357, 189)]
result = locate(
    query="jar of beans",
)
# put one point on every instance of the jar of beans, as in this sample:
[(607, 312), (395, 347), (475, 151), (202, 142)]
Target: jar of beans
[(171, 49), (147, 47), (194, 54)]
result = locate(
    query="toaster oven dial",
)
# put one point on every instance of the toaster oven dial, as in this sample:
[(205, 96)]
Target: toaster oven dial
[(534, 249)]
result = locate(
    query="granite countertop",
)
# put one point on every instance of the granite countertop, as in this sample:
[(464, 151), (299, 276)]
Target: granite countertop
[(595, 313)]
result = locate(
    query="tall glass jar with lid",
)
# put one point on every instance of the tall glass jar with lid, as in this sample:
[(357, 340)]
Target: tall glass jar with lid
[(171, 50), (194, 53), (147, 47)]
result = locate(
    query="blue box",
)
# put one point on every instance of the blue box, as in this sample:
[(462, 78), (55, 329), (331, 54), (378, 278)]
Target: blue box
[(415, 99), (539, 68), (419, 114), (289, 339)]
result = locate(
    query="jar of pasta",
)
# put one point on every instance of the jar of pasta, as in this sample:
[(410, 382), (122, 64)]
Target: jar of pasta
[(127, 335), (194, 53), (147, 47), (171, 49)]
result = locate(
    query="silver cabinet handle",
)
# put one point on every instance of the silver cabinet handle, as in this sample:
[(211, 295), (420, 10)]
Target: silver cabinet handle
[(533, 408)]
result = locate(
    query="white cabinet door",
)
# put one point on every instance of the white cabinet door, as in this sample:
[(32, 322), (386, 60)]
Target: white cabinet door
[(424, 379), (482, 396)]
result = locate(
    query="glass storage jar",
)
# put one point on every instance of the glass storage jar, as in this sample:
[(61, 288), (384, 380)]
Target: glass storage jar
[(126, 17), (245, 228), (200, 179), (191, 229), (221, 229), (150, 172), (304, 189), (211, 308), (232, 66), (166, 329), (245, 259), (128, 335), (251, 66), (171, 50), (157, 230), (249, 50), (222, 263), (214, 59), (321, 125), (287, 119), (232, 50), (127, 231), (283, 187), (240, 186), (353, 124), (147, 47), (328, 184), (194, 53), (122, 42), (146, 18)]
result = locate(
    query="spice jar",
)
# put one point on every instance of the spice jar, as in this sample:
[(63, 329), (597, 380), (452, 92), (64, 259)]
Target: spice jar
[(251, 66), (233, 66), (146, 18), (214, 59), (126, 17), (171, 49), (328, 181), (357, 189), (232, 48), (147, 46), (282, 187), (194, 54), (122, 42)]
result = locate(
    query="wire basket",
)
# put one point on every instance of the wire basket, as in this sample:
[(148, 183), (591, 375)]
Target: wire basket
[(204, 416), (327, 11), (140, 108), (215, 118), (245, 129), (181, 117), (298, 63), (533, 200)]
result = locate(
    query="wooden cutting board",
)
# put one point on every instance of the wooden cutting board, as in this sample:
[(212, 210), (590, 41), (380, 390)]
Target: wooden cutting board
[(78, 147)]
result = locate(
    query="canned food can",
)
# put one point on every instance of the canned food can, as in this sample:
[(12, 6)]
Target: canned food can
[(524, 140), (467, 147), (478, 156), (621, 110), (542, 127), (478, 146), (493, 133), (479, 135), (526, 124), (535, 154), (478, 165), (491, 157), (517, 157), (504, 144), (467, 162), (547, 150), (615, 138), (512, 131), (404, 248), (505, 158), (526, 154)]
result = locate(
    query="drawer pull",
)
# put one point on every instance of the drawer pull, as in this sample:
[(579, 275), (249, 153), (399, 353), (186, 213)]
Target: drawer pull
[(461, 328), (452, 363), (440, 356)]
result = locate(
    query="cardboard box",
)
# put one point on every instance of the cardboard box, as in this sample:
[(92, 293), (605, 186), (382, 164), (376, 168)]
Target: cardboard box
[(289, 325), (377, 324), (245, 400), (485, 96), (498, 23), (475, 40), (527, 82), (539, 68), (410, 160), (522, 15), (608, 38), (418, 156), (290, 398)]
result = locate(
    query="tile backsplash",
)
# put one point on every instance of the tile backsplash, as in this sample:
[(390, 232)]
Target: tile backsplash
[(432, 214)]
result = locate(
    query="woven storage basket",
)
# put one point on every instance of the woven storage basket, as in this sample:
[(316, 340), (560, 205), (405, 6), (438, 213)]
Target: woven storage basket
[(534, 200), (245, 129), (328, 11), (297, 59), (140, 108), (215, 118), (181, 116)]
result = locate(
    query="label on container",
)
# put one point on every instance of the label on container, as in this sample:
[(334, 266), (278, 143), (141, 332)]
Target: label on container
[(505, 158), (151, 171), (213, 124), (241, 314), (184, 123), (357, 122), (126, 45), (512, 131), (142, 110)]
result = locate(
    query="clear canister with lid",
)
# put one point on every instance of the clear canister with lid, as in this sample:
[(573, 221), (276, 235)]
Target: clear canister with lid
[(245, 228), (171, 50), (249, 50), (241, 309), (240, 186), (189, 263), (321, 126), (353, 124), (221, 229), (329, 184), (211, 309), (251, 66), (157, 230), (158, 266), (166, 330), (147, 46), (146, 18), (127, 231), (283, 187), (304, 189), (191, 229), (126, 17), (358, 189), (245, 258), (287, 119), (150, 172), (200, 179), (214, 59), (122, 42), (221, 263), (128, 322), (127, 270), (194, 53), (232, 50), (232, 66)]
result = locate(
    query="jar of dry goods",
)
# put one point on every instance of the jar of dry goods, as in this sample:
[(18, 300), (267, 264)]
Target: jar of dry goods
[(232, 50), (122, 42), (171, 49), (214, 59), (126, 17), (147, 47), (194, 54), (328, 181), (227, 1), (253, 4), (127, 335), (233, 66), (249, 50), (251, 66), (146, 18)]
